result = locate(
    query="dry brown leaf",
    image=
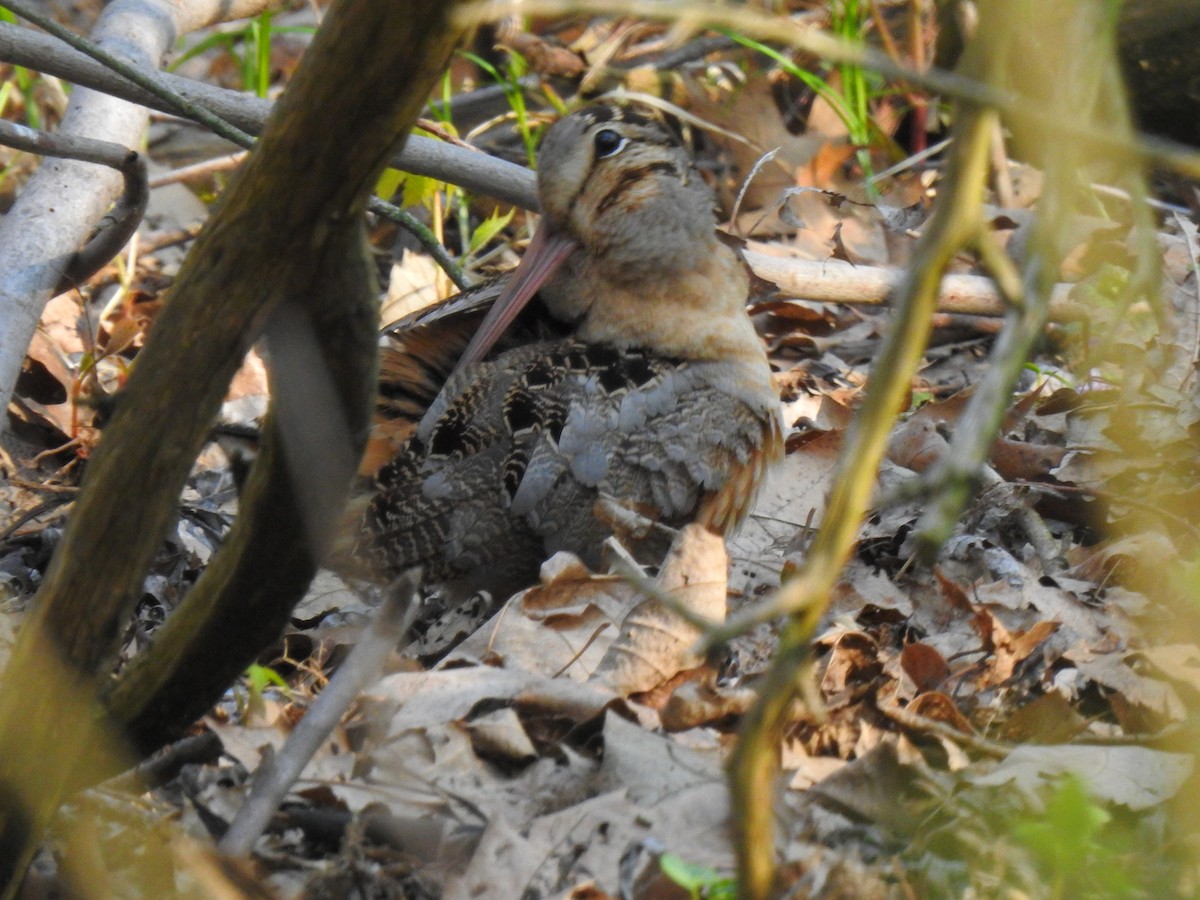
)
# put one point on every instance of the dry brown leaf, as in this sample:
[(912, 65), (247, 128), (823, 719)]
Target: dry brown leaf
[(792, 496), (1025, 461), (939, 707), (693, 704), (660, 790), (1156, 702), (981, 621), (1050, 719), (412, 286), (1013, 649), (500, 737), (853, 663), (656, 643), (651, 767), (917, 444), (565, 624), (1136, 558), (1179, 662), (876, 787), (45, 385), (924, 665), (1052, 601), (807, 770)]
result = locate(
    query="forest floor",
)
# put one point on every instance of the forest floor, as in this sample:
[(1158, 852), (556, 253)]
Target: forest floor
[(1016, 719)]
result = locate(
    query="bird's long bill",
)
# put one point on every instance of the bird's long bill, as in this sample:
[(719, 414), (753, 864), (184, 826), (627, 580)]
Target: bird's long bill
[(547, 251)]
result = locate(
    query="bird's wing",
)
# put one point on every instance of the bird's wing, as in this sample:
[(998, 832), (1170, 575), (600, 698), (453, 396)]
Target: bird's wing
[(522, 448)]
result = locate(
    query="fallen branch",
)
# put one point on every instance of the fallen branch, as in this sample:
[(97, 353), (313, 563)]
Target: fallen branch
[(119, 224), (474, 170), (278, 773), (837, 281)]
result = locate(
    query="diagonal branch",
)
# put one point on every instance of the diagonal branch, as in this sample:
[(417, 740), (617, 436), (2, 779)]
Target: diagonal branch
[(287, 247)]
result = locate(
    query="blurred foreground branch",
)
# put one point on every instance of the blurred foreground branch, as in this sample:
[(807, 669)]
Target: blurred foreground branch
[(998, 56), (314, 293)]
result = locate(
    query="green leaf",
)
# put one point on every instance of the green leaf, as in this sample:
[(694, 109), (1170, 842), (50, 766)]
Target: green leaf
[(489, 228), (1064, 838), (698, 880), (418, 190), (262, 677), (389, 182)]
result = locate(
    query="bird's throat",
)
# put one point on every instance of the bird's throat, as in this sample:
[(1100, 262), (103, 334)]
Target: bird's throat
[(699, 314)]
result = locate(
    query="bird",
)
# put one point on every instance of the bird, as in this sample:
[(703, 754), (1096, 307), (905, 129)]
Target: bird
[(616, 365)]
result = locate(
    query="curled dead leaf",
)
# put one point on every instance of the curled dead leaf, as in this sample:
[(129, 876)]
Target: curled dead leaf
[(853, 663), (694, 704)]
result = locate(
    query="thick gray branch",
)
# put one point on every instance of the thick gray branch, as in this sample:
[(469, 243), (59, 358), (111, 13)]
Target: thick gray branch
[(477, 172)]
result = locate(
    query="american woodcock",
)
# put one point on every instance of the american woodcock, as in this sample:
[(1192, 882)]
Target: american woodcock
[(658, 397)]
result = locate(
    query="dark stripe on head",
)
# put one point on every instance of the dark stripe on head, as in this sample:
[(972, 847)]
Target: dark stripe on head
[(633, 117), (600, 113)]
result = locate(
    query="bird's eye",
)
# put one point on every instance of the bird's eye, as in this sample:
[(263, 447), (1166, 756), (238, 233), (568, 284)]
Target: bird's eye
[(608, 143)]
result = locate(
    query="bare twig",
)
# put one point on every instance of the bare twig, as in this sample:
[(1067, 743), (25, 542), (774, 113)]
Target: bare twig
[(923, 724), (427, 238), (147, 81), (200, 169), (476, 171), (120, 223), (804, 597), (836, 281), (277, 774)]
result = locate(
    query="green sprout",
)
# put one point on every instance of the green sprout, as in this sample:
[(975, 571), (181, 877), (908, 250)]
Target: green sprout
[(250, 47), (256, 681), (1070, 845), (510, 83), (851, 104), (701, 882)]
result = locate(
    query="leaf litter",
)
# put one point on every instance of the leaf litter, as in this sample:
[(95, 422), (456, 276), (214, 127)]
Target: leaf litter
[(573, 736)]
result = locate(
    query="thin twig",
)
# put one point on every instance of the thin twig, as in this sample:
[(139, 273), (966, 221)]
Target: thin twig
[(276, 775), (140, 77), (427, 238), (925, 725), (200, 169), (161, 88), (473, 170), (771, 27), (30, 514)]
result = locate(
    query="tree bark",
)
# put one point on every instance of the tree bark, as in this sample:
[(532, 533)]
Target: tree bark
[(286, 250)]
